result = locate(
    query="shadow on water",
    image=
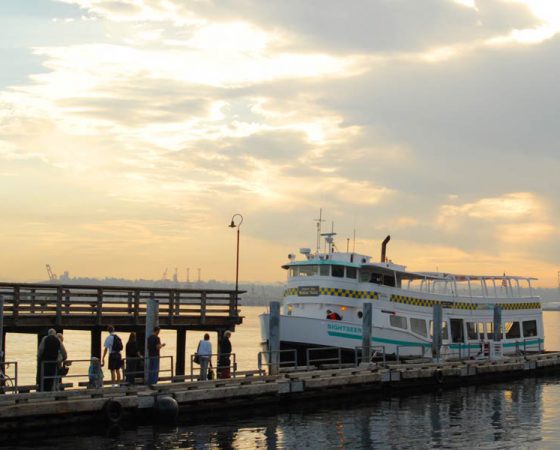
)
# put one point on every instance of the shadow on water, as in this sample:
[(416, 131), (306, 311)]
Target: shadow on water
[(502, 415)]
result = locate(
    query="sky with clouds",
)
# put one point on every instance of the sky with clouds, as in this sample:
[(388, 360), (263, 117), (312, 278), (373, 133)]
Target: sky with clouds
[(132, 130)]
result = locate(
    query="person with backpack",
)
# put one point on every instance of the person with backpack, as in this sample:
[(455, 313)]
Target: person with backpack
[(113, 344)]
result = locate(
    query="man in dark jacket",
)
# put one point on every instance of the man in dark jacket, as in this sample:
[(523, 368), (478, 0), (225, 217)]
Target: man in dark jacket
[(48, 359), (224, 358)]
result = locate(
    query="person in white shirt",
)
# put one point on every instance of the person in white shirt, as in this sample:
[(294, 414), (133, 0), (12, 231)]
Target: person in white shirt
[(113, 346), (204, 352)]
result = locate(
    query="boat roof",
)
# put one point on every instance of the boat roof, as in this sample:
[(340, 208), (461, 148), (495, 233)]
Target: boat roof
[(390, 268)]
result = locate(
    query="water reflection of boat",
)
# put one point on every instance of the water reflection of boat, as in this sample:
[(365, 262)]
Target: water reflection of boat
[(335, 285)]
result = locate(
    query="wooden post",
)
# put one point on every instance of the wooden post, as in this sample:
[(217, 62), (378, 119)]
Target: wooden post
[(151, 322), (203, 307), (497, 323), (274, 337), (366, 332), (436, 337), (16, 298), (99, 305), (2, 335), (181, 350), (95, 345), (58, 306)]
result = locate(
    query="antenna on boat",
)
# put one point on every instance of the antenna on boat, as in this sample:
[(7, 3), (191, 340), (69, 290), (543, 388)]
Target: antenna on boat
[(319, 220), (329, 238)]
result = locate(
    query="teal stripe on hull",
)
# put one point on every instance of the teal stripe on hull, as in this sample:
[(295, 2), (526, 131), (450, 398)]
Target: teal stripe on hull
[(428, 345)]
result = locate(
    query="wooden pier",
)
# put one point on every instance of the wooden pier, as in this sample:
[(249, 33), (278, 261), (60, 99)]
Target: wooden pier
[(33, 308), (113, 405)]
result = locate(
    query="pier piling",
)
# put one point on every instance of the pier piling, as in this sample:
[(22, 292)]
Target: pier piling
[(436, 338), (152, 309), (497, 323), (181, 350), (366, 332), (95, 345), (274, 337)]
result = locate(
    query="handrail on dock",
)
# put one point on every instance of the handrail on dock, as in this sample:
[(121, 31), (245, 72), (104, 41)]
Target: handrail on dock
[(374, 351), (267, 359), (337, 359)]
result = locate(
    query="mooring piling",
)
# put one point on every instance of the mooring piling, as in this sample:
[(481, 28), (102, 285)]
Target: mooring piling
[(152, 307), (366, 332), (497, 323), (274, 337), (436, 335)]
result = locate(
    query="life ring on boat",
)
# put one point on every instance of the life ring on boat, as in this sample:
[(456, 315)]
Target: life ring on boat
[(112, 411), (438, 376)]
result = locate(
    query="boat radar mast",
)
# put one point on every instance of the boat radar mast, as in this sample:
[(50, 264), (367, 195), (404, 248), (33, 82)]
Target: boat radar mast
[(329, 239)]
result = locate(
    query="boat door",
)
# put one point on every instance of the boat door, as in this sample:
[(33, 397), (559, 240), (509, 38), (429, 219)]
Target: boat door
[(457, 331)]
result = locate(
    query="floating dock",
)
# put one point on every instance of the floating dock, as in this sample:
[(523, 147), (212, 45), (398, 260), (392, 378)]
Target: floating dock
[(164, 402)]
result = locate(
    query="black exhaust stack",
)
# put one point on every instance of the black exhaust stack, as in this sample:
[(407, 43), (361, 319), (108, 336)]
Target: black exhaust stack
[(384, 248)]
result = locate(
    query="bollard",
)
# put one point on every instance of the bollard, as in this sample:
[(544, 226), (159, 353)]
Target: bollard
[(366, 332), (152, 308), (274, 338), (436, 337)]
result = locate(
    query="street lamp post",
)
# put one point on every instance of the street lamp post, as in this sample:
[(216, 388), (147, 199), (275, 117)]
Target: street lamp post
[(233, 225)]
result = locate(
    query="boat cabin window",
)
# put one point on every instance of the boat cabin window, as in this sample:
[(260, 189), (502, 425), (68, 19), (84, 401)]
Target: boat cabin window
[(338, 271), (481, 331), (512, 330), (351, 272), (489, 330), (530, 328), (308, 271), (457, 334), (398, 321), (444, 334), (418, 326), (364, 276), (472, 333), (324, 270)]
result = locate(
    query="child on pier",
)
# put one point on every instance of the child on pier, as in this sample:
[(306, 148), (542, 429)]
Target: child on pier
[(95, 374)]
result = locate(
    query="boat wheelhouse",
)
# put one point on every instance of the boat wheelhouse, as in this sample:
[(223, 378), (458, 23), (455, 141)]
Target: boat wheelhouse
[(326, 292)]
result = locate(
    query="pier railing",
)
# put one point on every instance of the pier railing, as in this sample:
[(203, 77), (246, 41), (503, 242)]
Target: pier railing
[(8, 382), (96, 305)]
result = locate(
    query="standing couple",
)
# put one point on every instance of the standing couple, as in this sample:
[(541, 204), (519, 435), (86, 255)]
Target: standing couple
[(204, 352)]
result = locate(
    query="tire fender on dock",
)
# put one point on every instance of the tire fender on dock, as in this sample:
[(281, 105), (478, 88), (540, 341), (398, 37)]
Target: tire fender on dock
[(166, 409), (112, 411), (438, 376)]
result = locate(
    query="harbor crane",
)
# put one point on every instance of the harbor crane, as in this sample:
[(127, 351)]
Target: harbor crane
[(52, 276)]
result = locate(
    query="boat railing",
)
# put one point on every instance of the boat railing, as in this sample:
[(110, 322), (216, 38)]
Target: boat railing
[(377, 351), (322, 359), (265, 359), (465, 297)]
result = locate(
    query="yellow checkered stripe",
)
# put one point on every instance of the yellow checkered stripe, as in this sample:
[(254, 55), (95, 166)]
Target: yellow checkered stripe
[(336, 292), (513, 306), (461, 305)]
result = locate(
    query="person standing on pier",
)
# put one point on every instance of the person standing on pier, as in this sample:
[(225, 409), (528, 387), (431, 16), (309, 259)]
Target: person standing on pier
[(133, 357), (224, 358), (154, 346), (204, 352), (113, 345), (48, 360)]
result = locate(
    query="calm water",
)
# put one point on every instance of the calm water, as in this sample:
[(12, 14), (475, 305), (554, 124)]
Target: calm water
[(517, 414)]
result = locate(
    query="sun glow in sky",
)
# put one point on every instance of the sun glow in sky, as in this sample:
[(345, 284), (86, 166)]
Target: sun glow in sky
[(132, 130)]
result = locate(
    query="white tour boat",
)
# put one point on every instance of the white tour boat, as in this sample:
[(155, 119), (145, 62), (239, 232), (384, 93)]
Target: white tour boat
[(326, 291)]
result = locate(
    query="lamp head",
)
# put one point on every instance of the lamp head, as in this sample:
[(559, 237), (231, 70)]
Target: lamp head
[(232, 224)]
